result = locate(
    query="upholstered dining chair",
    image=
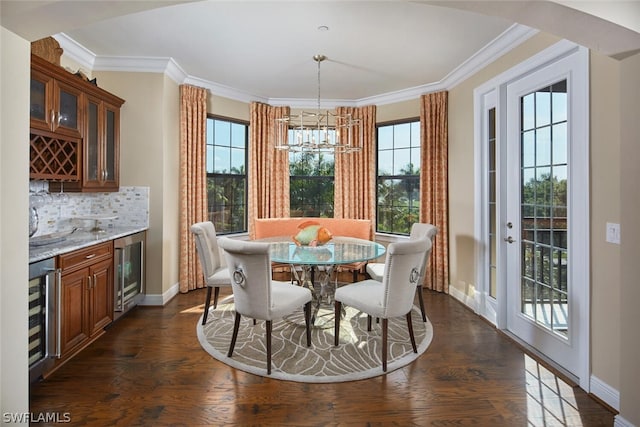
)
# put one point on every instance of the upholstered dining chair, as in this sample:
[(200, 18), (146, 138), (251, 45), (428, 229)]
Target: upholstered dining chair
[(215, 273), (375, 270), (391, 297), (256, 295)]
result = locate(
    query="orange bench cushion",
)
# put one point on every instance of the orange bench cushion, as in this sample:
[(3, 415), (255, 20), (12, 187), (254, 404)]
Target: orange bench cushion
[(345, 227)]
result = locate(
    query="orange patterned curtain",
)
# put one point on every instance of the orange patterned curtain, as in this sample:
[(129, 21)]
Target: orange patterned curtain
[(355, 173), (268, 172), (434, 208), (193, 180)]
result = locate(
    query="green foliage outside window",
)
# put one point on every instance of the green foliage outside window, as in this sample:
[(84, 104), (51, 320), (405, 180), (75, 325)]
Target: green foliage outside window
[(398, 182), (311, 184)]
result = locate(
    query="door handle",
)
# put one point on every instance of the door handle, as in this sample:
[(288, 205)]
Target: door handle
[(509, 239)]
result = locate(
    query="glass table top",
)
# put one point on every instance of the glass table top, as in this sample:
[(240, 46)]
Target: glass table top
[(337, 251)]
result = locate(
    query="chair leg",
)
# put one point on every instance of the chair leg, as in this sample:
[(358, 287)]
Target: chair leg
[(369, 322), (207, 301), (355, 276), (215, 297), (385, 326), (336, 332), (269, 324), (410, 328), (421, 300), (236, 326), (307, 321)]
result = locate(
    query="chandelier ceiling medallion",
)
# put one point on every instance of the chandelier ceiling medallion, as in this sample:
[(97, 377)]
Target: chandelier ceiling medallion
[(318, 131)]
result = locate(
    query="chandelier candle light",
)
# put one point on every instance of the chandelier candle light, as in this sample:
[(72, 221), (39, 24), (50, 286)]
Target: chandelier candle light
[(319, 131)]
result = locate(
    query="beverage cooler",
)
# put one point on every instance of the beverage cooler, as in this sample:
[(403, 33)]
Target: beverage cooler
[(129, 275), (44, 320)]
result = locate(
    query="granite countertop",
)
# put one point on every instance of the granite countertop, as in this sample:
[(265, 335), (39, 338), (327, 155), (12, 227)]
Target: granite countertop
[(78, 240)]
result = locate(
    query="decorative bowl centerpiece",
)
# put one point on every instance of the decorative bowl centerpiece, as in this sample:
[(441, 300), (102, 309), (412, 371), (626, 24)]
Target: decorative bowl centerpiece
[(312, 234)]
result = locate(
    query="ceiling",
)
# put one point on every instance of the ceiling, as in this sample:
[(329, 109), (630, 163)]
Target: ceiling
[(264, 50)]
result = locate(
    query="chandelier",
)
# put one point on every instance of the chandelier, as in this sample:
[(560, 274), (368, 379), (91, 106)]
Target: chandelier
[(318, 131)]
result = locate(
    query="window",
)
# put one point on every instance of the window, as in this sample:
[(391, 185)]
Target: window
[(311, 184), (398, 177), (227, 174)]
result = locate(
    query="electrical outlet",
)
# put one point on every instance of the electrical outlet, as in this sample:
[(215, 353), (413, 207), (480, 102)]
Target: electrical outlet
[(613, 233)]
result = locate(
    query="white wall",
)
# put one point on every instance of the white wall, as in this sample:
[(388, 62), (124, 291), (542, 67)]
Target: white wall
[(14, 203), (630, 294)]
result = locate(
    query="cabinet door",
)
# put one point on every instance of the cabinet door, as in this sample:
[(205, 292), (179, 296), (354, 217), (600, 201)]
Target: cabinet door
[(41, 101), (101, 296), (74, 308), (55, 106), (66, 117), (111, 159), (102, 145), (93, 137)]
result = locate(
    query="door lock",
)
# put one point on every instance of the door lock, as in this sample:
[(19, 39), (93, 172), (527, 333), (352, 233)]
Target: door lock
[(509, 225)]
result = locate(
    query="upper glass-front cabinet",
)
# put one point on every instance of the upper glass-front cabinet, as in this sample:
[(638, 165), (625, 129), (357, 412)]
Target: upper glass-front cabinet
[(101, 145), (75, 130), (55, 106)]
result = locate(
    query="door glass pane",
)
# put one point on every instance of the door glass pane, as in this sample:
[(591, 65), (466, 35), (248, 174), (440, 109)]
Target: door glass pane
[(92, 143), (68, 110), (129, 275), (110, 146), (38, 101), (37, 338), (543, 208), (491, 128)]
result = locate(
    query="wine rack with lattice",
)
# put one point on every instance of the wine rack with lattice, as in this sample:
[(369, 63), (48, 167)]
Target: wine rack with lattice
[(54, 158)]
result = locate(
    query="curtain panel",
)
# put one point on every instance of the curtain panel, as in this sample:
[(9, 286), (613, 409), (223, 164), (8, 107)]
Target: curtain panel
[(268, 172), (193, 181), (355, 173), (434, 206)]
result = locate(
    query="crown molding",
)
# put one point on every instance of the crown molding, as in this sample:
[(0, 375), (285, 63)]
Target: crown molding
[(312, 103), (508, 40), (76, 52), (401, 95), (224, 91), (511, 38), (163, 65)]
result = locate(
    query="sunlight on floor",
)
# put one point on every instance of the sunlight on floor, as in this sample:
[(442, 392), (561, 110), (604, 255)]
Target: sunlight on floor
[(194, 309), (550, 400)]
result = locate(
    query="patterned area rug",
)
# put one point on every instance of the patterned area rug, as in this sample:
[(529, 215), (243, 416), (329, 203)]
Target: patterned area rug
[(357, 357)]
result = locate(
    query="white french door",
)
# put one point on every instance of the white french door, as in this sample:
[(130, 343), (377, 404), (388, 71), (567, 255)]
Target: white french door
[(536, 204)]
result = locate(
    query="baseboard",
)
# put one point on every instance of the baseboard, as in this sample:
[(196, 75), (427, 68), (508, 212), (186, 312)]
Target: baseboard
[(597, 387), (605, 392), (465, 299), (161, 299)]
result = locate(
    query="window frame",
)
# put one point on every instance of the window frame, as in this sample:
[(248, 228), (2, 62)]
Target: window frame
[(410, 120), (233, 176)]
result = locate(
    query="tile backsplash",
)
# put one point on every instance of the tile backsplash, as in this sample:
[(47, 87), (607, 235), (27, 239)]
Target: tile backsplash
[(61, 211)]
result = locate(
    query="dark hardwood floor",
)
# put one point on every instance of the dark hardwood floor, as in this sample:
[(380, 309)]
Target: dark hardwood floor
[(149, 369)]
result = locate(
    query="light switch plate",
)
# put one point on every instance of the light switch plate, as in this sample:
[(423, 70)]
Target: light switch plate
[(613, 233)]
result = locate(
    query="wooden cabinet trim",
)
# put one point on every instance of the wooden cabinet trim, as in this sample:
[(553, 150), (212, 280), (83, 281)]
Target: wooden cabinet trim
[(61, 74), (84, 257)]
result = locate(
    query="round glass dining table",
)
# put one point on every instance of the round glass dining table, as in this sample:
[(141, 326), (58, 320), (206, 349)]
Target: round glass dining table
[(337, 251), (315, 267)]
